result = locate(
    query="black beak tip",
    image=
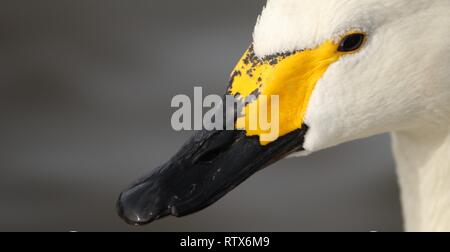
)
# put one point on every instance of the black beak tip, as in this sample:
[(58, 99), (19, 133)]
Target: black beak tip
[(130, 215)]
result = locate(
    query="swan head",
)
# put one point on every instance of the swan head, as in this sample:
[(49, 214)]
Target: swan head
[(342, 70)]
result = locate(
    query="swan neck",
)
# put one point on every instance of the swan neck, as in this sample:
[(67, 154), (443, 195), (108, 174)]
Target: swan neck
[(423, 167)]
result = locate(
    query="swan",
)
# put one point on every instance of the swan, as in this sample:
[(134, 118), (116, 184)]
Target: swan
[(343, 70)]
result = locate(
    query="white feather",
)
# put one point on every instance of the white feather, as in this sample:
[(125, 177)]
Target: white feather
[(399, 82)]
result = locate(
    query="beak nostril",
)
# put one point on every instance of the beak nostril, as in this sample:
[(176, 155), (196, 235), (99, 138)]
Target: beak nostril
[(210, 155), (219, 144)]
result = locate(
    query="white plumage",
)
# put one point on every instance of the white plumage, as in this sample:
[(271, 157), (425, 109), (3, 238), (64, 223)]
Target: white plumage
[(399, 83)]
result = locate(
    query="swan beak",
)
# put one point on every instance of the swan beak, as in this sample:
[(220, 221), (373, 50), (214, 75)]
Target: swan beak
[(212, 163), (209, 165)]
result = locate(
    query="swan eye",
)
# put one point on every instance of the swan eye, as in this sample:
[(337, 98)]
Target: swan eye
[(352, 42)]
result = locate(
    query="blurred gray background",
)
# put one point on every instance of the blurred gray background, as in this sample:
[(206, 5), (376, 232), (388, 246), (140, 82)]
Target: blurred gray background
[(85, 91)]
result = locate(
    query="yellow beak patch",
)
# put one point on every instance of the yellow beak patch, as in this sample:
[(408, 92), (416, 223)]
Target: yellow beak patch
[(291, 77)]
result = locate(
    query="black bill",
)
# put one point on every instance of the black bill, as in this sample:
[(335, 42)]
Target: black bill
[(207, 167)]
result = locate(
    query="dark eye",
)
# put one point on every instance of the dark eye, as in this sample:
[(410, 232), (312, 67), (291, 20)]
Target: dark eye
[(352, 42)]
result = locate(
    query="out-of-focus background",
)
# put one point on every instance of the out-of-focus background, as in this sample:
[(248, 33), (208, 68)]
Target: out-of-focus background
[(85, 91)]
